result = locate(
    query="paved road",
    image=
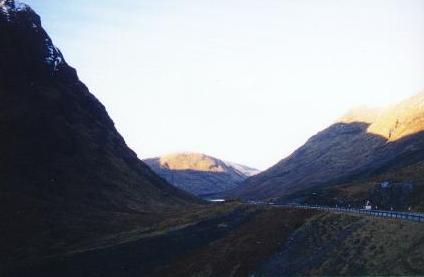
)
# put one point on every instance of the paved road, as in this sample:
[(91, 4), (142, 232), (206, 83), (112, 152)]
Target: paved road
[(417, 217)]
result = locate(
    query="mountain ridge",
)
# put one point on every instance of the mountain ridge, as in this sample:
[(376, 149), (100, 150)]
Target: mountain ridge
[(358, 144), (67, 174), (393, 121), (198, 173)]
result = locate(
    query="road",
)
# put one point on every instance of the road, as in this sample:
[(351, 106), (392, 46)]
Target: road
[(410, 216)]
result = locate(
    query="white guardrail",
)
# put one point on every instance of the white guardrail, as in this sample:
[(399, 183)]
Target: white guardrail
[(417, 217)]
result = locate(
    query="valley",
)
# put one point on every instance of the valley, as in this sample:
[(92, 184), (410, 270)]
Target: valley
[(76, 200), (256, 241)]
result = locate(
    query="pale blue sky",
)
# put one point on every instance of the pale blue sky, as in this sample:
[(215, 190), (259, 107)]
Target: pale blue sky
[(247, 81)]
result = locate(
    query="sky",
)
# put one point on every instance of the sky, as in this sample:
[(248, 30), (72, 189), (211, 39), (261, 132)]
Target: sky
[(243, 80)]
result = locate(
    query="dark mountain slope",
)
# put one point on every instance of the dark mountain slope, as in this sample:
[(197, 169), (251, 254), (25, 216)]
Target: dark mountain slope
[(399, 186), (200, 174), (259, 241), (66, 174), (363, 143)]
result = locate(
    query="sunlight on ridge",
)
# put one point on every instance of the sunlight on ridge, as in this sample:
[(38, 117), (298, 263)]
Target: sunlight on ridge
[(392, 122), (190, 161)]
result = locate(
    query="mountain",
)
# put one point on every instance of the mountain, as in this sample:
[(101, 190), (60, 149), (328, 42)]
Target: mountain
[(363, 144), (66, 174), (200, 174)]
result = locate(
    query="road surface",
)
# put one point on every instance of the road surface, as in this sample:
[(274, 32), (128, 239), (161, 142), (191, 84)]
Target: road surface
[(410, 216)]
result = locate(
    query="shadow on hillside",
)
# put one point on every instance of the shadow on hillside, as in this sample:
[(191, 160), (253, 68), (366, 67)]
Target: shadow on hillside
[(199, 183), (339, 154), (142, 257), (346, 153)]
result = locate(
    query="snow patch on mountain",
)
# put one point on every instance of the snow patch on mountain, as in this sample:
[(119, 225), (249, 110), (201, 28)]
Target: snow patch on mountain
[(54, 57), (8, 7), (14, 12), (244, 170)]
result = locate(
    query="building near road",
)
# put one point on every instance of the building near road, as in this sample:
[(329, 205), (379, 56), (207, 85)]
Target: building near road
[(368, 206)]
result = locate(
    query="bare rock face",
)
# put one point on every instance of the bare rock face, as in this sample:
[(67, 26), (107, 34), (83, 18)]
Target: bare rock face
[(64, 168), (362, 143), (200, 174)]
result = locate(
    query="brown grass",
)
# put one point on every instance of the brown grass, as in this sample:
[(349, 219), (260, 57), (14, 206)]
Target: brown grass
[(239, 253)]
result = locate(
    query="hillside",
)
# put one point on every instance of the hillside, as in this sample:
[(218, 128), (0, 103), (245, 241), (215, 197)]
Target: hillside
[(259, 241), (66, 174), (200, 174), (362, 144), (76, 201)]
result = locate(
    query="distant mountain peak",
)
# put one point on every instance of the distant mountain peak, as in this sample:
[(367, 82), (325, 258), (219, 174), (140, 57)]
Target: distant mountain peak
[(199, 173), (191, 161), (201, 162)]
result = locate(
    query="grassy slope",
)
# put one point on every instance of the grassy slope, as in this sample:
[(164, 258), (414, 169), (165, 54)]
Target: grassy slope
[(358, 191), (113, 254), (334, 244), (239, 240), (282, 242), (122, 228), (359, 144), (242, 249)]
